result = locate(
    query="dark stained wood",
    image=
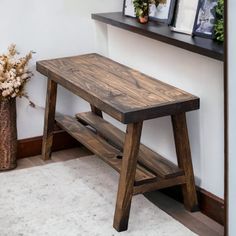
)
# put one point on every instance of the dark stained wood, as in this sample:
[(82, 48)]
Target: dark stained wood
[(49, 119), (33, 146), (211, 205), (127, 176), (130, 97), (116, 89), (159, 184), (184, 160), (149, 159), (226, 119), (162, 32), (90, 140), (100, 147), (96, 111)]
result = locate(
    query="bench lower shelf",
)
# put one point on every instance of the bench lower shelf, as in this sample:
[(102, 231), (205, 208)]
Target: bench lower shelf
[(106, 141)]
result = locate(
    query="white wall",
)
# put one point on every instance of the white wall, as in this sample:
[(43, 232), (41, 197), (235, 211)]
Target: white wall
[(232, 118), (194, 73), (55, 28), (52, 28)]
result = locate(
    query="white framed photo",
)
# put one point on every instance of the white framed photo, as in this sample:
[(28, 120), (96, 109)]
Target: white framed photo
[(185, 16), (128, 9)]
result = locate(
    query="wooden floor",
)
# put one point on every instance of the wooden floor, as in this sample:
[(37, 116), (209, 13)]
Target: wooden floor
[(197, 222)]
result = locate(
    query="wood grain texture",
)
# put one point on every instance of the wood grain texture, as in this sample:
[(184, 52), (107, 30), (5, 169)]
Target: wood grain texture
[(185, 161), (130, 97), (127, 176), (100, 147), (96, 111), (49, 119), (148, 158), (159, 184), (125, 94)]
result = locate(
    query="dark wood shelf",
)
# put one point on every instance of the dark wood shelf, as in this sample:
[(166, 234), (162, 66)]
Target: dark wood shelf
[(161, 32)]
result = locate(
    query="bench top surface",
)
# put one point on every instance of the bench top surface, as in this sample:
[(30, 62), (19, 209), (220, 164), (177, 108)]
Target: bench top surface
[(122, 92)]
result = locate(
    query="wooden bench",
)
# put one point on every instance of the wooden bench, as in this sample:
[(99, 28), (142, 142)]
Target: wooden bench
[(130, 97)]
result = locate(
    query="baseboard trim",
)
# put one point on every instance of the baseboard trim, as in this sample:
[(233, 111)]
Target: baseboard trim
[(32, 146), (210, 205)]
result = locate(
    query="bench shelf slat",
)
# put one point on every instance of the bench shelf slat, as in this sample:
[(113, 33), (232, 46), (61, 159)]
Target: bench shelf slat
[(148, 158), (100, 147)]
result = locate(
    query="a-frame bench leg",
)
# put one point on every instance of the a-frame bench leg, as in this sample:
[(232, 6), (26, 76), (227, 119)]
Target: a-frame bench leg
[(96, 111), (49, 119), (184, 160), (127, 176)]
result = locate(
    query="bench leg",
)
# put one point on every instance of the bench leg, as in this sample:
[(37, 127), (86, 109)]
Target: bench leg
[(184, 160), (49, 119), (96, 111), (127, 176)]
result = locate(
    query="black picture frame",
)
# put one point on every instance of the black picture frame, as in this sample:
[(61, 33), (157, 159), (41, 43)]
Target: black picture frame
[(205, 19), (125, 12), (171, 11)]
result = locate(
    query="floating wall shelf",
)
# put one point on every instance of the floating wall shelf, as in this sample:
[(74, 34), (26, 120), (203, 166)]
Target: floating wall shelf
[(161, 32)]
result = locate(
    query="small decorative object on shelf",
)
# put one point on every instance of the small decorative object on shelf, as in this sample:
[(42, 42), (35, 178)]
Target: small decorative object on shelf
[(13, 76), (141, 8), (184, 17), (157, 10)]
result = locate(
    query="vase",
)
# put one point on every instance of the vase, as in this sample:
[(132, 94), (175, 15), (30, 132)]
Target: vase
[(143, 19), (8, 135)]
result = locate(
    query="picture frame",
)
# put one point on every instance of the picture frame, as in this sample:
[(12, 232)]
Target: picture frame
[(128, 8), (163, 12), (205, 19), (184, 16), (166, 11)]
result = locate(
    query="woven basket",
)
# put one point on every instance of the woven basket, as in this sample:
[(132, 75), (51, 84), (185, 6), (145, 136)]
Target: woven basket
[(8, 135)]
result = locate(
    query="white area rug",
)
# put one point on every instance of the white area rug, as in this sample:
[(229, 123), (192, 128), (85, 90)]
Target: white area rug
[(74, 198)]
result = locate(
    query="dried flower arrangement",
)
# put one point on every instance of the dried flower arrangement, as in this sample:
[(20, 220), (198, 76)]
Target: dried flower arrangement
[(14, 74)]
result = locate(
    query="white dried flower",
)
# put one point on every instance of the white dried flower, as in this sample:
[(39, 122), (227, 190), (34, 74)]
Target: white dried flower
[(5, 93), (13, 95), (13, 73)]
